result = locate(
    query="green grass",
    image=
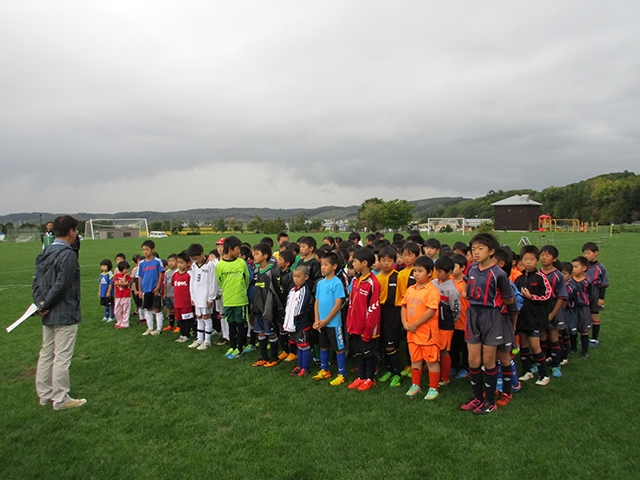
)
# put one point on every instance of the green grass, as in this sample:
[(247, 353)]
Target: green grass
[(159, 410)]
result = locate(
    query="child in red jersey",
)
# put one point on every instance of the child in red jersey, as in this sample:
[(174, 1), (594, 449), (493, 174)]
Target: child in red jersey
[(122, 284), (182, 308), (363, 318)]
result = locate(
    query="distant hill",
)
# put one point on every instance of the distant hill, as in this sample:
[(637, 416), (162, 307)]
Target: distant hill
[(239, 214)]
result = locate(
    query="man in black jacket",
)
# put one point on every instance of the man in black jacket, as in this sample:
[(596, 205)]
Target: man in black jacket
[(56, 292)]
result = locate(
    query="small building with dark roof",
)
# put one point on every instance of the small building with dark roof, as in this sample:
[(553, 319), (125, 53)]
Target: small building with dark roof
[(518, 213)]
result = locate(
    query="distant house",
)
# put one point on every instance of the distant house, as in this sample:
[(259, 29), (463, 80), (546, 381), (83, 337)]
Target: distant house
[(518, 213)]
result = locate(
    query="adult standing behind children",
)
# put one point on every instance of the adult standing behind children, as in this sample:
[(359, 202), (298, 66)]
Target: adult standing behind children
[(56, 292)]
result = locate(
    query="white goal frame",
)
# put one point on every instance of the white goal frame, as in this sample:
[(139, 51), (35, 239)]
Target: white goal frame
[(455, 222), (90, 230)]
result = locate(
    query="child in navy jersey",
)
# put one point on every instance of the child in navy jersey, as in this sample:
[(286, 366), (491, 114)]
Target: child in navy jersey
[(488, 329), (599, 280), (578, 289)]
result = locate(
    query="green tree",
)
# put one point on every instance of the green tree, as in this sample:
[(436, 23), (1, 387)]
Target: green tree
[(155, 225), (256, 224), (274, 226), (397, 214), (165, 226), (219, 225), (372, 214), (298, 223)]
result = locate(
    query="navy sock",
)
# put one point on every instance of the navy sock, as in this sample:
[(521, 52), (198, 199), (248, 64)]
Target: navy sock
[(263, 348), (584, 339), (362, 367), (525, 358), (273, 349), (595, 330), (371, 368), (491, 379), (324, 359), (476, 382), (341, 358), (542, 364), (394, 361), (507, 376), (556, 354), (574, 342)]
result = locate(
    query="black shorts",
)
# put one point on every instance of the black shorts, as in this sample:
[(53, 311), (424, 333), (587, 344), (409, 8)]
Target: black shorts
[(333, 338), (390, 327), (151, 301), (583, 319), (168, 302), (558, 322), (106, 301), (365, 349), (490, 327), (300, 338)]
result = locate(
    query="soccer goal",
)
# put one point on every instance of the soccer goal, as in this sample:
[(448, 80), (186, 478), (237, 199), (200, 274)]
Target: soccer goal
[(107, 228), (439, 225)]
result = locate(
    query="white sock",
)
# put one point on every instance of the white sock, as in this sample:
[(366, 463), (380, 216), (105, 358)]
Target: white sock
[(200, 330), (225, 328), (208, 328), (159, 320), (148, 316)]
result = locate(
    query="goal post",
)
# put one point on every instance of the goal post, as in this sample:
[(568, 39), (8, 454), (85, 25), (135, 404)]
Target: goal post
[(437, 224), (107, 228)]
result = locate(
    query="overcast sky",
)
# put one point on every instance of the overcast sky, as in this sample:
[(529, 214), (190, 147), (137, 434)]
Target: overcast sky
[(162, 105)]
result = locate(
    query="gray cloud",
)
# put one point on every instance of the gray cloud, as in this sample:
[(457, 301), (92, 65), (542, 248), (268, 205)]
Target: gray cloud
[(348, 99)]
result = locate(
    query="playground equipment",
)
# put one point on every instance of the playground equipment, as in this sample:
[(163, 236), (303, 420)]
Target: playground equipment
[(546, 223)]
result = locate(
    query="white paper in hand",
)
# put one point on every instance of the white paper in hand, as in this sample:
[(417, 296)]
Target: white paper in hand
[(30, 311)]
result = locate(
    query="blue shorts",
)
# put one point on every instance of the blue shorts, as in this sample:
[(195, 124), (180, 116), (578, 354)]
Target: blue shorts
[(261, 325)]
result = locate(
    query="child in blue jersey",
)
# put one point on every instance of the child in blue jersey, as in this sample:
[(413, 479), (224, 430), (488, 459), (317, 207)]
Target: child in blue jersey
[(105, 289), (330, 295), (149, 280)]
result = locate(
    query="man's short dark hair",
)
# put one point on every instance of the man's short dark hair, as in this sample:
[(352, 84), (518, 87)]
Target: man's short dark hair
[(424, 262), (184, 256), (566, 267), (371, 237), (309, 241), (445, 264), (532, 249), (459, 259), (123, 265), (63, 224), (551, 250), (263, 248), (505, 256), (282, 235), (365, 254), (389, 251), (461, 246), (591, 246), (582, 260), (107, 263), (268, 241), (486, 239), (398, 237), (332, 258), (294, 247), (195, 250), (230, 243), (288, 257), (433, 243), (173, 255), (149, 244), (412, 247), (354, 237), (121, 255), (416, 238), (245, 251)]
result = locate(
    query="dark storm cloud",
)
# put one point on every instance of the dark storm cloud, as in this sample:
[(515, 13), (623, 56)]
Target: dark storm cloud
[(408, 97)]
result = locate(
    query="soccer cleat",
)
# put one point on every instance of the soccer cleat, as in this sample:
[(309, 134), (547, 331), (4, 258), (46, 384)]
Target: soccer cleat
[(222, 342), (322, 374), (303, 372), (366, 385), (504, 399), (396, 381), (406, 372), (259, 363), (432, 394), (291, 357), (526, 376), (543, 381), (574, 350), (564, 362), (229, 352), (462, 373), (146, 332), (249, 348), (296, 370), (593, 343), (485, 408), (104, 319), (72, 403), (204, 346), (442, 383), (534, 369), (168, 328), (355, 384), (556, 372), (471, 405), (584, 355), (271, 363), (235, 354), (111, 320), (195, 344), (176, 330), (516, 387), (339, 380), (181, 339), (155, 333), (414, 391), (283, 355), (386, 377)]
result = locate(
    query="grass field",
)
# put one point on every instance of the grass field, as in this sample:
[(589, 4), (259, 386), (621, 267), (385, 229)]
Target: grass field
[(159, 410)]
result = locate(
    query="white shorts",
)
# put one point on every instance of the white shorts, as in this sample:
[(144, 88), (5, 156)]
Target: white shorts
[(202, 311)]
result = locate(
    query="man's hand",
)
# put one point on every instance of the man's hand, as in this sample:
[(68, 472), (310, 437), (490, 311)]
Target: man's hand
[(601, 302), (526, 293), (43, 313), (209, 304)]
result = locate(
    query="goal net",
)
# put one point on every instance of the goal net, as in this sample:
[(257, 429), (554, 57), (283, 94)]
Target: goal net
[(107, 228)]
